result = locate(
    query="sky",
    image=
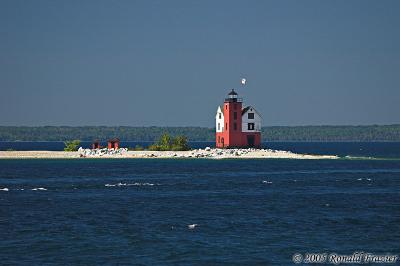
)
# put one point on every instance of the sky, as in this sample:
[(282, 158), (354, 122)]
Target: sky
[(171, 63)]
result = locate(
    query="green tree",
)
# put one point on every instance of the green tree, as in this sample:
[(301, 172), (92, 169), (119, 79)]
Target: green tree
[(72, 145), (180, 143), (164, 143)]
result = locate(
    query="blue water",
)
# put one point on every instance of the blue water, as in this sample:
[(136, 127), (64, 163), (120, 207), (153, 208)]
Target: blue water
[(137, 211)]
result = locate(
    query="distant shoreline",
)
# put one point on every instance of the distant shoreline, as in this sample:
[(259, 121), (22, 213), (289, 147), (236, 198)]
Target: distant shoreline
[(364, 133), (213, 141), (200, 153)]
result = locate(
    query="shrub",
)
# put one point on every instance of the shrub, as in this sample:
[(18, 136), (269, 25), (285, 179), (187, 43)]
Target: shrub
[(180, 143), (166, 143), (72, 145), (154, 147)]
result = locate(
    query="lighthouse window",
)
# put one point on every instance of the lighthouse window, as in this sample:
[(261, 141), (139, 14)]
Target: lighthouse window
[(235, 115), (250, 115), (250, 126), (219, 115), (219, 126), (234, 126)]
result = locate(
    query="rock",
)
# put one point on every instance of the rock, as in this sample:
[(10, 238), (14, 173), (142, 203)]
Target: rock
[(101, 152)]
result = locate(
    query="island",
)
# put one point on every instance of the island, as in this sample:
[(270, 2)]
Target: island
[(210, 153)]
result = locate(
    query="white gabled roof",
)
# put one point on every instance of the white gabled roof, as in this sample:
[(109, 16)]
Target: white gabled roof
[(247, 108), (219, 110)]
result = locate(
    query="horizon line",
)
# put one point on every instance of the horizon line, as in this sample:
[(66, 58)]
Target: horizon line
[(320, 125)]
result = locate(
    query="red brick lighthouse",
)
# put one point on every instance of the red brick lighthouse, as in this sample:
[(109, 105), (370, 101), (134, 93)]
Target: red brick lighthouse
[(237, 127)]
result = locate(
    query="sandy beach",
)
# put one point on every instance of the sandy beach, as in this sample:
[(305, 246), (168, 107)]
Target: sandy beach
[(198, 153)]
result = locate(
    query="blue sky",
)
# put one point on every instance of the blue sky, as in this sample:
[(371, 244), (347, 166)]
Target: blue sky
[(170, 63)]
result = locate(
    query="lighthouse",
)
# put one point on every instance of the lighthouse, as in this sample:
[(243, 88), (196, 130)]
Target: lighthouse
[(235, 126)]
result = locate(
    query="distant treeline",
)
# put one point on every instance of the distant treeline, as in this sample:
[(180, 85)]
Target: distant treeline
[(274, 133)]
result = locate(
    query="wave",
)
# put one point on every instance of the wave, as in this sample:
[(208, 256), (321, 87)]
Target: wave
[(350, 157), (37, 188), (360, 157), (130, 184), (192, 226), (360, 179)]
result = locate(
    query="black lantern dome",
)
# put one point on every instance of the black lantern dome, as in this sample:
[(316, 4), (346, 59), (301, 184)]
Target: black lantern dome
[(233, 93), (232, 96)]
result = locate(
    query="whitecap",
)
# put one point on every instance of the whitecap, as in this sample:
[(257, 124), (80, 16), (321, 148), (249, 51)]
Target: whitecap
[(359, 179), (38, 188), (267, 182), (4, 189), (146, 184), (192, 226), (129, 184), (369, 179), (139, 184)]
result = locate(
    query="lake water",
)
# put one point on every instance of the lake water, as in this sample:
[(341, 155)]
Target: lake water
[(137, 211)]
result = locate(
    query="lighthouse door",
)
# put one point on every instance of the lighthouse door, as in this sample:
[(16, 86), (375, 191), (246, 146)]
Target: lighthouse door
[(250, 140)]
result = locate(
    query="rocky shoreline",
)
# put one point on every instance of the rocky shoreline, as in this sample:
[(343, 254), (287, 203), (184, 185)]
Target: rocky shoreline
[(210, 153)]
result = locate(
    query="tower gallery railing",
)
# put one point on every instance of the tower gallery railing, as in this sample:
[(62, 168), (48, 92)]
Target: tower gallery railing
[(239, 100)]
